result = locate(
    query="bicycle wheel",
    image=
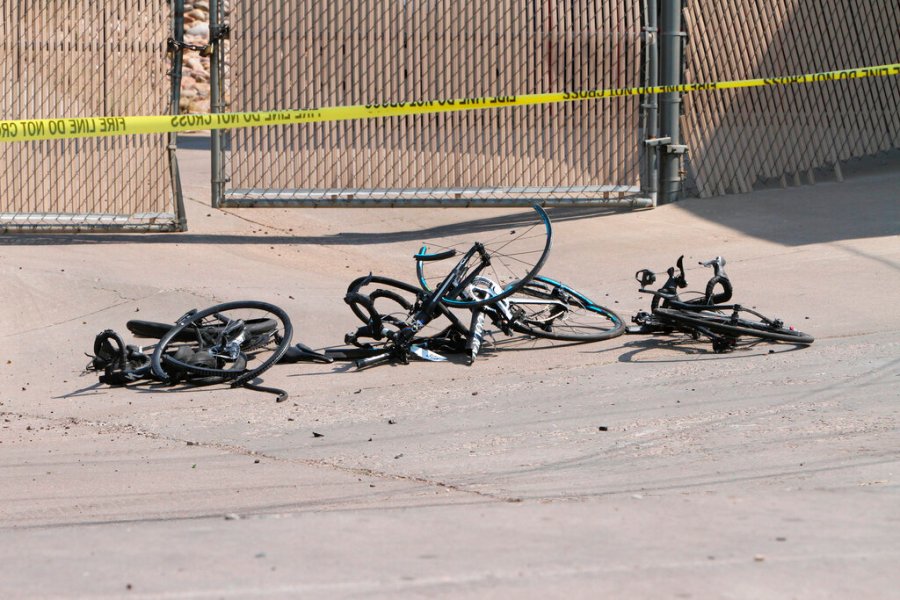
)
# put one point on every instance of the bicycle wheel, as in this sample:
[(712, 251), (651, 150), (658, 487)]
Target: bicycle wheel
[(549, 309), (215, 344), (734, 325), (510, 258)]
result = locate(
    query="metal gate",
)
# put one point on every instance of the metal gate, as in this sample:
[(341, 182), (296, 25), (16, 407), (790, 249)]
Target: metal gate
[(78, 58), (304, 53)]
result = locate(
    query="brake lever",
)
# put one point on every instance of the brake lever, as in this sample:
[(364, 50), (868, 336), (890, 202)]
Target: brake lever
[(718, 265), (681, 281)]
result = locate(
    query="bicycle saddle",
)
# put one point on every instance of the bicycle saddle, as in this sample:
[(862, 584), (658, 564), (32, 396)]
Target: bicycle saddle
[(303, 353)]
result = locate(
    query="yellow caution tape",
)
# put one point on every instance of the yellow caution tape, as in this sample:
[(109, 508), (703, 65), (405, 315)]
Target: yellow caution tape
[(55, 129)]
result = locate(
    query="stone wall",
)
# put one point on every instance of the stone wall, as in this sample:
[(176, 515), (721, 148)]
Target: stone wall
[(195, 78)]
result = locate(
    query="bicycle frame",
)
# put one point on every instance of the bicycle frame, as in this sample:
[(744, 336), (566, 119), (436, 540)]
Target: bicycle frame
[(667, 297), (464, 286), (427, 308), (707, 315)]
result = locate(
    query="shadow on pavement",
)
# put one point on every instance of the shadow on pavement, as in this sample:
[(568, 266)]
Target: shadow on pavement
[(522, 218), (866, 204), (681, 348)]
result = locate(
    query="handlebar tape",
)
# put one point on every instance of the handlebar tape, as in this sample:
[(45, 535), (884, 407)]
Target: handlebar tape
[(438, 256)]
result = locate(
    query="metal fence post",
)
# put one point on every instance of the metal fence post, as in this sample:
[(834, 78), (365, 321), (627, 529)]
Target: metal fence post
[(177, 7), (650, 181), (671, 64), (217, 100)]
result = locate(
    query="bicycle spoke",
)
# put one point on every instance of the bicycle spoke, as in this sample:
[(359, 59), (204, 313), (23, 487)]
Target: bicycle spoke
[(514, 255)]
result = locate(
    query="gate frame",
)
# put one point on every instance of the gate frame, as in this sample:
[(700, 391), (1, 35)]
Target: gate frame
[(103, 222), (648, 153)]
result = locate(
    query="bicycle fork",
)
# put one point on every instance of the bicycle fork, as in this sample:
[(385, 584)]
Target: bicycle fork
[(476, 335), (482, 287)]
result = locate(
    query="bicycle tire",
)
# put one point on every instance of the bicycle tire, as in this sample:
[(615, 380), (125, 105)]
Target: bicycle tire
[(516, 256), (723, 324), (272, 346), (155, 330), (569, 315)]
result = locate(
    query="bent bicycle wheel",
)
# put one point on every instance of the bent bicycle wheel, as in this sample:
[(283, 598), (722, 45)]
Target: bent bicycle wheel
[(549, 309), (509, 257), (217, 344), (736, 325)]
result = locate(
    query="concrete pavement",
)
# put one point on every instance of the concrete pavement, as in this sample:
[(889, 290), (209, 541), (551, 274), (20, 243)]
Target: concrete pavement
[(640, 467)]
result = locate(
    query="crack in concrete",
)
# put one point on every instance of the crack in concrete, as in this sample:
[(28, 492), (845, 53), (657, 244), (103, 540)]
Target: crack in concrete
[(128, 428), (124, 300)]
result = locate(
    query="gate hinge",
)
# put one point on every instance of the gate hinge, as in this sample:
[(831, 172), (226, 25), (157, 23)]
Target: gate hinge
[(657, 141), (677, 149)]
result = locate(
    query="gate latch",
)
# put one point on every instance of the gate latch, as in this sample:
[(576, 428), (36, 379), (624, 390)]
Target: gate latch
[(221, 31)]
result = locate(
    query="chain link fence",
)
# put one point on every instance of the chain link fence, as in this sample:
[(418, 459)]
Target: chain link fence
[(75, 58), (299, 53), (71, 58), (741, 137)]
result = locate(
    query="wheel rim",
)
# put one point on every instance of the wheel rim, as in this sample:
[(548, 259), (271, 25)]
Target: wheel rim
[(517, 252), (566, 315), (721, 323), (234, 341)]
